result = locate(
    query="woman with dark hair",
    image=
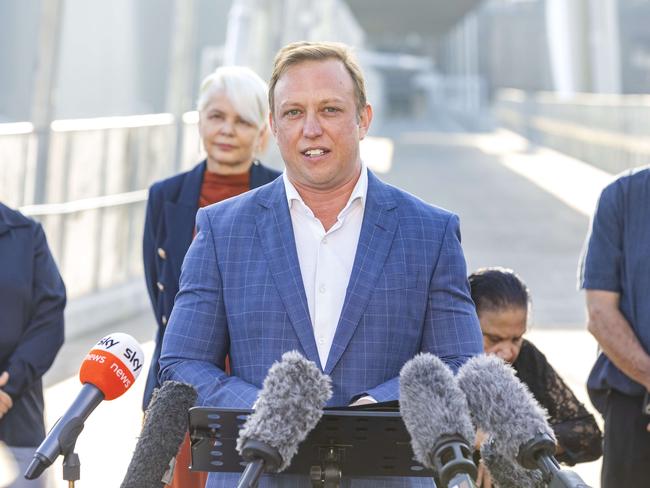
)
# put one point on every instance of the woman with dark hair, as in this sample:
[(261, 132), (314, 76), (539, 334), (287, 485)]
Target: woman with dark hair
[(502, 303)]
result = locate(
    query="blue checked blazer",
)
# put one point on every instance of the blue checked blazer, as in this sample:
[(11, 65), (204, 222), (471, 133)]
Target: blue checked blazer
[(241, 294)]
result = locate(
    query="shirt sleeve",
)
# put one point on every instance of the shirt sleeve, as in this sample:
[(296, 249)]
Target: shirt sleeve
[(148, 246), (451, 328), (197, 341), (43, 335), (600, 265)]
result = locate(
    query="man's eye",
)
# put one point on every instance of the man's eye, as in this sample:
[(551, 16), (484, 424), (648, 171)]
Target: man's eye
[(292, 113), (331, 110)]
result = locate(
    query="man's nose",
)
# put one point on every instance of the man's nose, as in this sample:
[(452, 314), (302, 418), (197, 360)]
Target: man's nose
[(312, 127)]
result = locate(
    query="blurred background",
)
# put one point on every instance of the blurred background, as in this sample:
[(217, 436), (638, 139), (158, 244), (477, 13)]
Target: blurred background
[(512, 113)]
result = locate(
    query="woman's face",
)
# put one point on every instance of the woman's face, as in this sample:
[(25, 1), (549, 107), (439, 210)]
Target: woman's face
[(503, 331), (229, 141)]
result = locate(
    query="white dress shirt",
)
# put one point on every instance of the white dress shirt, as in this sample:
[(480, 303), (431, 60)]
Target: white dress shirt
[(326, 258)]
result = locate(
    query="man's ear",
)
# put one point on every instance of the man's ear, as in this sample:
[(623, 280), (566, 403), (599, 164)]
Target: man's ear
[(365, 118)]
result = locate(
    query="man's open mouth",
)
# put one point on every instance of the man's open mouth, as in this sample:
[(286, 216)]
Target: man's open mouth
[(314, 153)]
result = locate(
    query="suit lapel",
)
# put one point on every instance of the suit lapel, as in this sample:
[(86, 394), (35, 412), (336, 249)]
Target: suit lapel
[(276, 235), (377, 233), (180, 216)]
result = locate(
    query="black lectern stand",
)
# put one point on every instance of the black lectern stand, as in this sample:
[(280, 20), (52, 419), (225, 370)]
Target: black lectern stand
[(347, 442)]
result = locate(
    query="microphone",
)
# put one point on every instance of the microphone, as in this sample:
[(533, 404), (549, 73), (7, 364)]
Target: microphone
[(165, 424), (108, 370), (289, 406), (507, 473), (502, 406), (435, 413)]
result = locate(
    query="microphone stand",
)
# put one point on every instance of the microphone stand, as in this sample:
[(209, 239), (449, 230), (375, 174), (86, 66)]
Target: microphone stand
[(66, 440), (538, 453), (328, 474), (71, 468), (452, 460), (261, 457), (71, 463)]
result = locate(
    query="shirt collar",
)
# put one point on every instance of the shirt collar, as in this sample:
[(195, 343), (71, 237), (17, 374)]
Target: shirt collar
[(359, 192)]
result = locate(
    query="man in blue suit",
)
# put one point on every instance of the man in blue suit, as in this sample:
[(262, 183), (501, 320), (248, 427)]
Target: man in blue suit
[(355, 274)]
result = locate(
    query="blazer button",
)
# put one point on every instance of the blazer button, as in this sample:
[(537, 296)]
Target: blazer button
[(164, 319), (162, 253), (160, 286)]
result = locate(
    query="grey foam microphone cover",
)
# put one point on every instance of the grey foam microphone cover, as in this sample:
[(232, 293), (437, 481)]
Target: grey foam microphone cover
[(507, 473), (432, 405), (503, 407), (164, 428), (500, 404), (289, 406)]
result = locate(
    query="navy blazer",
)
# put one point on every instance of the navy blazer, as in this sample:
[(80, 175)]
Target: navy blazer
[(32, 299), (168, 232)]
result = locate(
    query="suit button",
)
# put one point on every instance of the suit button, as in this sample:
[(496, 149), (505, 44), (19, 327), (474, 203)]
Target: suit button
[(160, 286), (162, 253), (164, 319)]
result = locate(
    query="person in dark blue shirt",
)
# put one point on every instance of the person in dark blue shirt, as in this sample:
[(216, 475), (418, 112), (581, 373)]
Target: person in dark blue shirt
[(32, 299), (615, 272)]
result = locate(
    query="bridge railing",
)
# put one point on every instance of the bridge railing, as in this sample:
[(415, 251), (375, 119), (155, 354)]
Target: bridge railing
[(611, 132), (96, 181)]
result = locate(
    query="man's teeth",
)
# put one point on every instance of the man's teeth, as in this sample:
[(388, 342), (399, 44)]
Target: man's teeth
[(314, 152)]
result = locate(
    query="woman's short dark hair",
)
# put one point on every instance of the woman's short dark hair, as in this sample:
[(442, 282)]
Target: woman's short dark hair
[(498, 288)]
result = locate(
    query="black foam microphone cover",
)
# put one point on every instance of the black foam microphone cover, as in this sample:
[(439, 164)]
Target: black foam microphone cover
[(165, 425)]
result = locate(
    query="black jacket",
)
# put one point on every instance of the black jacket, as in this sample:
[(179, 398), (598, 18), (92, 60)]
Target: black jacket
[(575, 428), (168, 232), (32, 299)]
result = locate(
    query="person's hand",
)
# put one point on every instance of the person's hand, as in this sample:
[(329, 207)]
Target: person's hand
[(480, 438), (483, 479), (5, 400), (364, 400)]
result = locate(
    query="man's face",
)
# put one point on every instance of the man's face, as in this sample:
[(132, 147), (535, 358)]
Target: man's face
[(317, 126)]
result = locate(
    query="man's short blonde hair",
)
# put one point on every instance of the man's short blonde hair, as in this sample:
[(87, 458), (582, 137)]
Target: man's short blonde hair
[(299, 52)]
